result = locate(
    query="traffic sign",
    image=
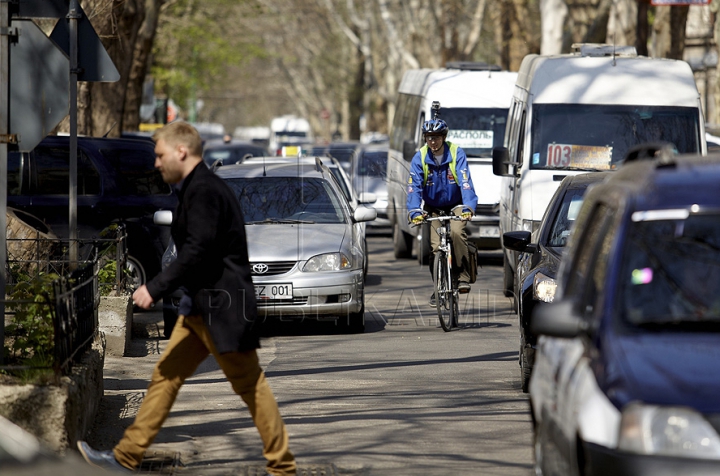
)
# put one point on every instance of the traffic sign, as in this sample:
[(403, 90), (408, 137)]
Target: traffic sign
[(94, 63), (39, 85), (41, 9)]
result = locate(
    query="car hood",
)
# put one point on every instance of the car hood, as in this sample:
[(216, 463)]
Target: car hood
[(664, 368), (283, 242)]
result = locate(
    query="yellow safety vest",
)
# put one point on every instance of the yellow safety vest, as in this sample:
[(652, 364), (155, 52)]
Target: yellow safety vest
[(453, 161)]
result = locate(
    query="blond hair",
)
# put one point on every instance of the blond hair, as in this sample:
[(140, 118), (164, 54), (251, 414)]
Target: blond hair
[(180, 133)]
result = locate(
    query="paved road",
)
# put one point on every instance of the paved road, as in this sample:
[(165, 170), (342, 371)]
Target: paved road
[(404, 398)]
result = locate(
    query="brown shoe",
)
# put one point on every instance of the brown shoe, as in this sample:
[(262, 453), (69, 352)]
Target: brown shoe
[(463, 287)]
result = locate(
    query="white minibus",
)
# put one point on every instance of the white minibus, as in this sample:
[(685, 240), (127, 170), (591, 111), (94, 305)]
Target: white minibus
[(474, 100), (581, 112)]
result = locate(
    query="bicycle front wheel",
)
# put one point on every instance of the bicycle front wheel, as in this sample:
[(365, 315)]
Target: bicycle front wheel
[(444, 295)]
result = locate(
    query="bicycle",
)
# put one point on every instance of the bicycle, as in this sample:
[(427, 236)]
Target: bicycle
[(446, 286)]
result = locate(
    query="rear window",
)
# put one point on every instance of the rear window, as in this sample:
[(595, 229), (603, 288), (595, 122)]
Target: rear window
[(136, 174), (52, 172), (287, 199)]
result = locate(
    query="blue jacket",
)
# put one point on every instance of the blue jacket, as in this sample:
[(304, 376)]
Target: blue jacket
[(441, 189)]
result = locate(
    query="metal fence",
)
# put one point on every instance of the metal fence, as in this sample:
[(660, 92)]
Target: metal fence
[(75, 319), (68, 301)]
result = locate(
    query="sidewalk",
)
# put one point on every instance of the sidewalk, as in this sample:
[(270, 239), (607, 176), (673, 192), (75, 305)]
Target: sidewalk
[(209, 430)]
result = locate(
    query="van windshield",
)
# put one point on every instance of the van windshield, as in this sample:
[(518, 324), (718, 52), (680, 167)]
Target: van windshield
[(597, 137), (476, 130)]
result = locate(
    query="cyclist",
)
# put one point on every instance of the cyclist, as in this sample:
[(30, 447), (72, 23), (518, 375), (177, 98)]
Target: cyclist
[(439, 175)]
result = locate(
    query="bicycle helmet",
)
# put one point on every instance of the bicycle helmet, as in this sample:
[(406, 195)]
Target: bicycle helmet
[(435, 126)]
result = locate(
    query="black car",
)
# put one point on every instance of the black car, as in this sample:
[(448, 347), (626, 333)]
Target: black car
[(540, 258), (116, 183)]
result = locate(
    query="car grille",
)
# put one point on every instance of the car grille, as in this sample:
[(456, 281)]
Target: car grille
[(296, 300), (273, 267)]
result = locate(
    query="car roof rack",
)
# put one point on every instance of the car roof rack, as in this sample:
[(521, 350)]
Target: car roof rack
[(472, 66)]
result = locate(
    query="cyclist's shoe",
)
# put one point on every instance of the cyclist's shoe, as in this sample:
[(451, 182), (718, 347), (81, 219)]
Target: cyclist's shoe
[(432, 300), (463, 287)]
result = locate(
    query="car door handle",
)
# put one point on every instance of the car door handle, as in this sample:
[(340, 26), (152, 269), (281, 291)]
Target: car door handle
[(511, 187)]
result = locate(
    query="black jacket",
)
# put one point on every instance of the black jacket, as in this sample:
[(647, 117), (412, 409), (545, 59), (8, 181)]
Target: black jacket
[(212, 261)]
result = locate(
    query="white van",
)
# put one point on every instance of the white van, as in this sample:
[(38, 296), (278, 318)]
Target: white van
[(288, 131), (581, 112), (474, 100)]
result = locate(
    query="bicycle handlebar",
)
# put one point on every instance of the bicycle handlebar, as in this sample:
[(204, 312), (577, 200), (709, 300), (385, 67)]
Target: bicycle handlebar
[(437, 218)]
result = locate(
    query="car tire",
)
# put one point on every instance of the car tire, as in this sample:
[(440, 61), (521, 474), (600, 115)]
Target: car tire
[(422, 246), (508, 279), (136, 275), (525, 369), (402, 242)]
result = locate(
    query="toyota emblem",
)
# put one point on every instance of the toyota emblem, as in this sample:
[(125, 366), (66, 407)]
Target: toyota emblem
[(260, 268)]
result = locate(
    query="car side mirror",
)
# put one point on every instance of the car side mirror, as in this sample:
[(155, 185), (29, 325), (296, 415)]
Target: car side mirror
[(501, 162), (364, 214), (558, 319), (519, 241), (367, 197), (163, 217), (409, 149)]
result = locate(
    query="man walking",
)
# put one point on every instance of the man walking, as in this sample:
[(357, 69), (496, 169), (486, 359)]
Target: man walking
[(217, 312)]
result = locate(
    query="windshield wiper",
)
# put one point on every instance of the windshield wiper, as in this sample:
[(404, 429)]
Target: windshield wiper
[(280, 221)]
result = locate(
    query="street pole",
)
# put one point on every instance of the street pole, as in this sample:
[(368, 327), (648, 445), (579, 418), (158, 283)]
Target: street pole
[(4, 134), (73, 16)]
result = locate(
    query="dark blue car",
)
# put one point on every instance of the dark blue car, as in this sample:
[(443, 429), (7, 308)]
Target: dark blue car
[(540, 258), (626, 378)]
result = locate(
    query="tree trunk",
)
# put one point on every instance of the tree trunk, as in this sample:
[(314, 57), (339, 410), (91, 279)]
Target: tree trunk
[(641, 35), (678, 21), (140, 61)]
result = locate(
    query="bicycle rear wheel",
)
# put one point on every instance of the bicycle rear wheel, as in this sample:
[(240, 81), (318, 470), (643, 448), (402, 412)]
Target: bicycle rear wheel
[(444, 295)]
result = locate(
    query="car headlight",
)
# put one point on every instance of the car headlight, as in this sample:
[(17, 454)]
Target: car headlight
[(668, 431), (544, 288), (327, 262)]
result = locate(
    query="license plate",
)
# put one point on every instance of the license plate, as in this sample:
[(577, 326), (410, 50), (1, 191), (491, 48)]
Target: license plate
[(274, 291), (489, 232)]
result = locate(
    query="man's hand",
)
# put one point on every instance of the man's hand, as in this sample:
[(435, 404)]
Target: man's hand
[(418, 219), (142, 298), (466, 215)]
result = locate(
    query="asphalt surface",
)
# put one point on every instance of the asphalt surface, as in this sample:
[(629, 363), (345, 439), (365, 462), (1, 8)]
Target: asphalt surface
[(403, 398)]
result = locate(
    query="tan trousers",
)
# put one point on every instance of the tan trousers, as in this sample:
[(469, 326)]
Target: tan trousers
[(458, 237), (189, 345)]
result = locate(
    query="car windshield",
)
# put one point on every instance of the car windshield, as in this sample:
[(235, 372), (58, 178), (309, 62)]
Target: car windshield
[(597, 137), (476, 130), (373, 164), (231, 155), (671, 273), (270, 200), (565, 217)]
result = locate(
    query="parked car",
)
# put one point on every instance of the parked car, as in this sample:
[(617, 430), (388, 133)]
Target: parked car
[(230, 152), (626, 376), (540, 259), (368, 171), (117, 183), (305, 243)]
